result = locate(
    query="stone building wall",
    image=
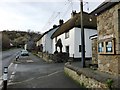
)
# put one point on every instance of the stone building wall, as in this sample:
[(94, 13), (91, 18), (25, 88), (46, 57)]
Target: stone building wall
[(109, 63), (108, 24), (94, 51), (119, 26)]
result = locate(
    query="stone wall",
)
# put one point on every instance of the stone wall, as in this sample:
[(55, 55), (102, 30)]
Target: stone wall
[(107, 23), (94, 51), (60, 57), (47, 57), (91, 78), (84, 80), (119, 26), (109, 63), (57, 58)]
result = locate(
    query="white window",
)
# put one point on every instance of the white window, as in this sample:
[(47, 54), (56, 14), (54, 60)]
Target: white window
[(100, 47), (66, 34), (106, 46), (109, 46)]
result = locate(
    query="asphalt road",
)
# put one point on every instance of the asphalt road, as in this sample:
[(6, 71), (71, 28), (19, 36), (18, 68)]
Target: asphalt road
[(33, 72), (8, 56)]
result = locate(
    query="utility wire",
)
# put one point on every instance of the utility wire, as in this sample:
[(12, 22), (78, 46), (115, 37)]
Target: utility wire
[(48, 22), (55, 15), (52, 18), (65, 13)]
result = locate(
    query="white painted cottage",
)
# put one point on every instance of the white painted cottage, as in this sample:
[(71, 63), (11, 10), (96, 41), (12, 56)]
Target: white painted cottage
[(70, 35), (46, 41)]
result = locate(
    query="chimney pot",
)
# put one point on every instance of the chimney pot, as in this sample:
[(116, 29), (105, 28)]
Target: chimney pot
[(61, 21), (73, 13)]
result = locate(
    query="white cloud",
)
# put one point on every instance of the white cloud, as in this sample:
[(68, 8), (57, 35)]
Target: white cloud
[(33, 14), (19, 16), (50, 0), (10, 19)]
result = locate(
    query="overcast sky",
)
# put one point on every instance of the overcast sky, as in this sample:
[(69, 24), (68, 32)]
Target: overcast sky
[(38, 15)]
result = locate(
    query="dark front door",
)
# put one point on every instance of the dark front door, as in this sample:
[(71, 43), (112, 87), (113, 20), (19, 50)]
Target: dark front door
[(67, 49)]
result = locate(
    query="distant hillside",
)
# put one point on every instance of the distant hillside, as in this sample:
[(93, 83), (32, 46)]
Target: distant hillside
[(19, 38)]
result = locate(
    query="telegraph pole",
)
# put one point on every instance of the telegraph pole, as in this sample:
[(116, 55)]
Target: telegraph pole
[(82, 36)]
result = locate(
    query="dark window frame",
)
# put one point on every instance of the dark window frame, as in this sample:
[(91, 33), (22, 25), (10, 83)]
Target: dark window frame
[(80, 49), (67, 47)]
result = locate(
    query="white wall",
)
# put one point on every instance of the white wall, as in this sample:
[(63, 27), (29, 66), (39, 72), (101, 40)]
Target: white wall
[(53, 45), (38, 42), (43, 40), (47, 41), (66, 42), (74, 41), (88, 43)]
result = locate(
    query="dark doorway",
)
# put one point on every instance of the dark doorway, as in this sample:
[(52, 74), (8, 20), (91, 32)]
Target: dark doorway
[(67, 49)]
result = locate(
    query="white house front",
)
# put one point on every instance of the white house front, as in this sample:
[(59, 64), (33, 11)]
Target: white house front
[(70, 35), (71, 42), (46, 40)]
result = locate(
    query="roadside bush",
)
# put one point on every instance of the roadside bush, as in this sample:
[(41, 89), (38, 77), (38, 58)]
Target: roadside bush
[(5, 42)]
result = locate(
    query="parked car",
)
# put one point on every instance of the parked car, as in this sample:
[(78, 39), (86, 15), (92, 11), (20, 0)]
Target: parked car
[(24, 53)]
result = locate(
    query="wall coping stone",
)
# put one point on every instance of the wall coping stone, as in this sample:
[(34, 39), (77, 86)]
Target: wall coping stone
[(95, 74)]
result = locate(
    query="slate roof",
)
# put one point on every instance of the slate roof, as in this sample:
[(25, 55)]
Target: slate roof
[(47, 32), (104, 6), (75, 22)]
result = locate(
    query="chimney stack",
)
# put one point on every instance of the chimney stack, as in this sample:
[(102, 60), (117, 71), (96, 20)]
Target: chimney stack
[(61, 21), (54, 26), (73, 13)]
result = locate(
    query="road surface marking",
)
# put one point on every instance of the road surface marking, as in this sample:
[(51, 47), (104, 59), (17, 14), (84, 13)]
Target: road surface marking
[(15, 67), (29, 61), (36, 78), (54, 73), (1, 80), (11, 77), (10, 65), (13, 73)]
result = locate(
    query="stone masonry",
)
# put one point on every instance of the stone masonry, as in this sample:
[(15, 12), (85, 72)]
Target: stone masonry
[(108, 22), (90, 78), (83, 80), (94, 51)]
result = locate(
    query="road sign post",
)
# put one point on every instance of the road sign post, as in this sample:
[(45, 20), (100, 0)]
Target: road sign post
[(5, 78)]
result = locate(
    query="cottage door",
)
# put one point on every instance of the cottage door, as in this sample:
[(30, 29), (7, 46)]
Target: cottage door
[(67, 49)]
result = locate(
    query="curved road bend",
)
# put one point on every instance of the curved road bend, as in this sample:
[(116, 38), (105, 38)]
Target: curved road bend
[(35, 73)]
